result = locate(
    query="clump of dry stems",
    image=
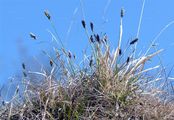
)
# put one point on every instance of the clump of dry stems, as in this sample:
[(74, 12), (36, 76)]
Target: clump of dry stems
[(109, 86)]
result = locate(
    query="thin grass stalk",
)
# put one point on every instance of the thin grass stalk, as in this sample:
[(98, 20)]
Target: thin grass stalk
[(62, 45), (119, 43)]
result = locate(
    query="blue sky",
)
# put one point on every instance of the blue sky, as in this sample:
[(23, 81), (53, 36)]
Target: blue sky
[(20, 17)]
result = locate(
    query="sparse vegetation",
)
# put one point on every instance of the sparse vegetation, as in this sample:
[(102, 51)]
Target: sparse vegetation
[(109, 86)]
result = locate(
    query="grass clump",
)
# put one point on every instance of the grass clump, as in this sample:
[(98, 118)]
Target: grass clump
[(108, 86)]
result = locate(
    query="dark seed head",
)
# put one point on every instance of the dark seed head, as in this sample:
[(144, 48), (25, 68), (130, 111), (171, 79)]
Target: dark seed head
[(154, 45), (83, 24), (128, 59), (33, 36), (51, 63), (69, 55), (90, 63), (3, 103), (92, 26), (74, 56), (105, 38), (25, 75), (122, 13), (120, 52), (23, 66), (91, 39), (17, 89), (47, 14), (134, 41), (97, 37)]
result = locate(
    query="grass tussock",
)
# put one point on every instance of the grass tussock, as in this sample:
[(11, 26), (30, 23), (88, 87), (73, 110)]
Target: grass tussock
[(108, 86)]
